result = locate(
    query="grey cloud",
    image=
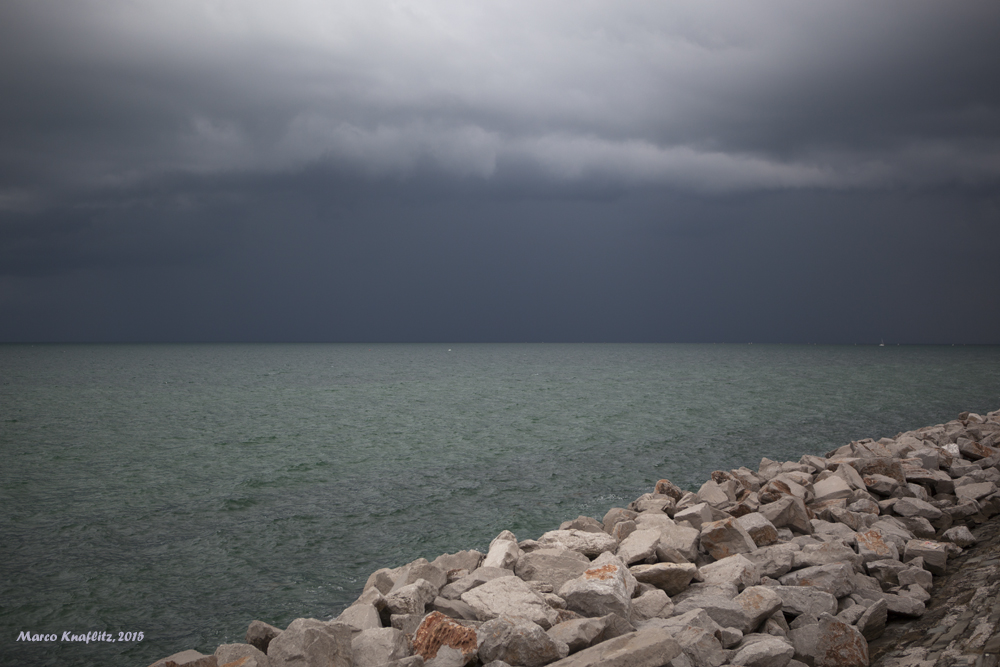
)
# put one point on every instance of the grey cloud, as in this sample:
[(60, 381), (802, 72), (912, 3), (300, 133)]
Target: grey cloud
[(708, 96)]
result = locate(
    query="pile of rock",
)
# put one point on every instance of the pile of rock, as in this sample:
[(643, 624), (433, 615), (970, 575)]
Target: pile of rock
[(797, 562)]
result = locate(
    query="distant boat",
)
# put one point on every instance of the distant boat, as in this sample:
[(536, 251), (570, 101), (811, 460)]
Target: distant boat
[(882, 344)]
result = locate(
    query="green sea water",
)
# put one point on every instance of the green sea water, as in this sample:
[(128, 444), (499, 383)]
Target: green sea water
[(182, 491)]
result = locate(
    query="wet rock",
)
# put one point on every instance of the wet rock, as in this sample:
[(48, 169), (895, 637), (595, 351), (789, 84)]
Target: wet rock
[(518, 642)]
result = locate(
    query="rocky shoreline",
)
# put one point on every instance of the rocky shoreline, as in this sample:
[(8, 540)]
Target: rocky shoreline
[(864, 556)]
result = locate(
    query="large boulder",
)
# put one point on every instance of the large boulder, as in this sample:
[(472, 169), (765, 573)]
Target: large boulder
[(512, 597), (605, 588), (518, 642), (308, 642)]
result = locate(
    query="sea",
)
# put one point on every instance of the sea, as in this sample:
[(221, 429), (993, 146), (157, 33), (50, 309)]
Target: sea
[(156, 498)]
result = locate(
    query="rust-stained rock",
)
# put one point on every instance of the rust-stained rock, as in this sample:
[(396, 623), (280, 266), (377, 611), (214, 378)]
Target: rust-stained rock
[(839, 644), (668, 488), (725, 538), (437, 631)]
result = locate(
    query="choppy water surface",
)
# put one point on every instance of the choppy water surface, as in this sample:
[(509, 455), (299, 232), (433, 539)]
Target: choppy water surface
[(184, 490)]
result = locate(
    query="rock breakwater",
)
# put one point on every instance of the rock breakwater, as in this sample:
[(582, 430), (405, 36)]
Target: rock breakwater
[(795, 563)]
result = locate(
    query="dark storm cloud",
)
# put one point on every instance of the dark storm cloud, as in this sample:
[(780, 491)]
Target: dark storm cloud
[(449, 170)]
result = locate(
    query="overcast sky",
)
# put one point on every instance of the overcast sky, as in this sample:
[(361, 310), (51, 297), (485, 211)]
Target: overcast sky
[(241, 170)]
